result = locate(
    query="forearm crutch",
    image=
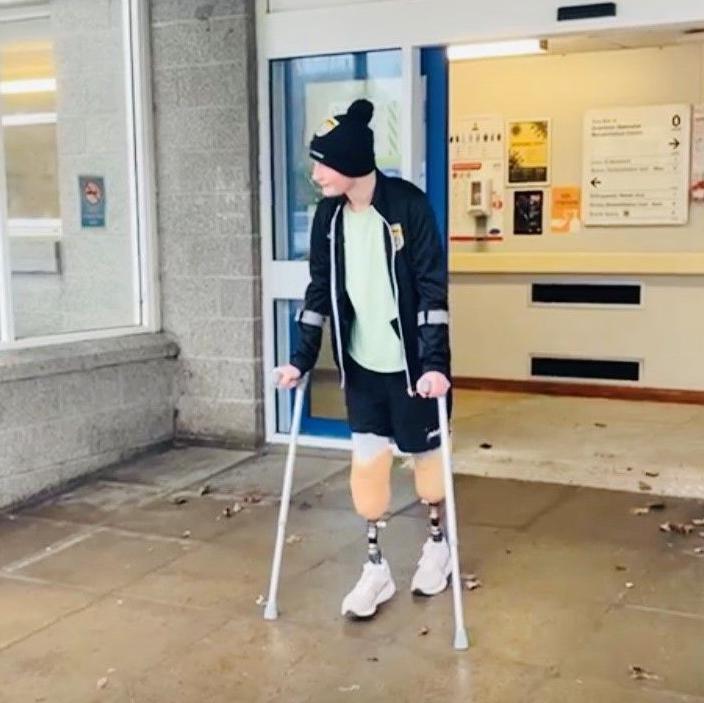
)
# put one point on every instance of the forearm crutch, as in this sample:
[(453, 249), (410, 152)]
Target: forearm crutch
[(461, 639), (271, 611)]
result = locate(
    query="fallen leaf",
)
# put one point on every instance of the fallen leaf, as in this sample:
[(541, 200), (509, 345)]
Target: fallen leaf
[(179, 500), (485, 445), (643, 486), (294, 539), (470, 581), (305, 505), (102, 683), (599, 424), (423, 631), (260, 600), (679, 528), (348, 689), (186, 534), (372, 659), (652, 474), (228, 512), (621, 567), (640, 674), (252, 498), (630, 584), (649, 507), (205, 490)]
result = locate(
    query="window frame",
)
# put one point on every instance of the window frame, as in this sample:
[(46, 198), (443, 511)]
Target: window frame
[(141, 188)]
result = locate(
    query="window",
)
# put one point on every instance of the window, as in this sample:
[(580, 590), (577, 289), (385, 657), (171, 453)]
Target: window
[(69, 235)]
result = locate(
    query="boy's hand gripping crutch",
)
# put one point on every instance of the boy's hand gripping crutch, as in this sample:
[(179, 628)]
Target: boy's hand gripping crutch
[(461, 639), (271, 611)]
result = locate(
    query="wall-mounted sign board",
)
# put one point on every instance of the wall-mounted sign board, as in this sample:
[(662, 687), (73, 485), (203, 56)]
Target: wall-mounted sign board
[(636, 165)]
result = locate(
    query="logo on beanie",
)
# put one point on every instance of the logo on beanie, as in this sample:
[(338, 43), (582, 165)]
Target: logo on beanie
[(327, 127), (397, 236)]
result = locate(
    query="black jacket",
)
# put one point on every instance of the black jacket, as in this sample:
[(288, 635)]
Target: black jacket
[(417, 270)]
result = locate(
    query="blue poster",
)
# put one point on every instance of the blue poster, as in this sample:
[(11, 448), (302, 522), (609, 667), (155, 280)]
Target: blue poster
[(92, 201)]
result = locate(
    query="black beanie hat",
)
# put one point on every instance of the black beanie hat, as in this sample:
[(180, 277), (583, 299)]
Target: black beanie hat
[(345, 143)]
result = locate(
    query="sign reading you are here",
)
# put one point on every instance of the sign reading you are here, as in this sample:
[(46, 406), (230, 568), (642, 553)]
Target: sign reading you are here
[(636, 165)]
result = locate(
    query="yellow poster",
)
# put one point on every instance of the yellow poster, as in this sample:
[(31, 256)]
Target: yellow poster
[(528, 147), (566, 208)]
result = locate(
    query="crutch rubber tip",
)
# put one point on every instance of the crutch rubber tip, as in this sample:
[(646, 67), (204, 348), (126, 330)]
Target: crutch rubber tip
[(270, 612), (461, 640)]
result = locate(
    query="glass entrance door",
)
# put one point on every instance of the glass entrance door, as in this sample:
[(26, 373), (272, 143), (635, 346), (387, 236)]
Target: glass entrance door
[(304, 92)]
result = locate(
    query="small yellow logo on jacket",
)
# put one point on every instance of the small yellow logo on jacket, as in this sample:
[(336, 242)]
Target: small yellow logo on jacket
[(397, 236)]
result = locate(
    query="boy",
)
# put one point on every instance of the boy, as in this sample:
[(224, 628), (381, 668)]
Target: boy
[(378, 271)]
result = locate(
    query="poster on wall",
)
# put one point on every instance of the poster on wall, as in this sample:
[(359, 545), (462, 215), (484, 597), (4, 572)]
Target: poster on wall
[(528, 152), (528, 212), (636, 165), (476, 179), (92, 190), (697, 178), (566, 207)]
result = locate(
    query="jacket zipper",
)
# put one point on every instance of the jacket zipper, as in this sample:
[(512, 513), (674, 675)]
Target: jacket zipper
[(394, 281), (333, 296)]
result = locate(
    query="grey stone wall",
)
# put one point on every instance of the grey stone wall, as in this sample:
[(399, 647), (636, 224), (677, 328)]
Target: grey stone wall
[(205, 122), (70, 409)]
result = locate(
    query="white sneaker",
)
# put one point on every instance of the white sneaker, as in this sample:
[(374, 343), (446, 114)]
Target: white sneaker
[(434, 568), (373, 588)]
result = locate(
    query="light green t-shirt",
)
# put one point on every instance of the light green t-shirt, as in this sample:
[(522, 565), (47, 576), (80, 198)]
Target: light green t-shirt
[(373, 342)]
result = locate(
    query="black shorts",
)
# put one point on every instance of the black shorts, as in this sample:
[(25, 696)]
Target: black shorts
[(379, 403)]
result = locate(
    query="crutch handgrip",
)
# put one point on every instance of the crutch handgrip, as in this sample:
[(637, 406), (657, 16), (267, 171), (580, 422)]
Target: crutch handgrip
[(276, 377)]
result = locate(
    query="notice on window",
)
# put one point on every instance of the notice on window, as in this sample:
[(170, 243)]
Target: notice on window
[(636, 165), (92, 189)]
